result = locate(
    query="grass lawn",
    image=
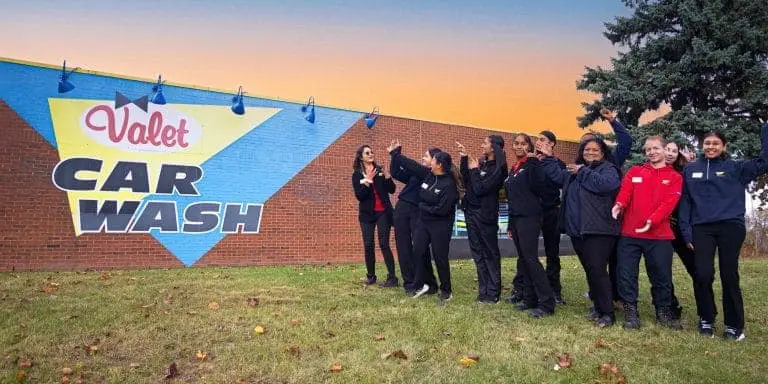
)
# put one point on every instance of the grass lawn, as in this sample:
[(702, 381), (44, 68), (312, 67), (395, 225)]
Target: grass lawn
[(129, 326)]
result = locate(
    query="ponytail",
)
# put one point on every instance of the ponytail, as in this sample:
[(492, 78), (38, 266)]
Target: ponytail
[(456, 176)]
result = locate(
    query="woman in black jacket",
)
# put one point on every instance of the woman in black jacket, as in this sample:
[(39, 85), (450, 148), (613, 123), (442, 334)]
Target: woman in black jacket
[(372, 185), (440, 192), (589, 190), (524, 188)]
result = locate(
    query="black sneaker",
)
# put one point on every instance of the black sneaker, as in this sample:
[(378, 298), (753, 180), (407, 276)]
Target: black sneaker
[(593, 314), (432, 290), (631, 316), (559, 299), (390, 282), (538, 313), (446, 296), (489, 300), (677, 312), (420, 292), (515, 298), (706, 328), (605, 321), (666, 318), (370, 280), (522, 306), (734, 334)]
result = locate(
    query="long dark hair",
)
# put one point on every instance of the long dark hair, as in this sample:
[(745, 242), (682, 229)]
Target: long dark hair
[(680, 162), (527, 139), (357, 165), (444, 159), (607, 155)]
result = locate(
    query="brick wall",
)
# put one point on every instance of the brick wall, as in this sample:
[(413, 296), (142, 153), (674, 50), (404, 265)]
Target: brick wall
[(312, 219)]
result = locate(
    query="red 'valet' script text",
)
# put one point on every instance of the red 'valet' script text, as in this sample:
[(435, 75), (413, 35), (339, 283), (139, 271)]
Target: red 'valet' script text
[(135, 132)]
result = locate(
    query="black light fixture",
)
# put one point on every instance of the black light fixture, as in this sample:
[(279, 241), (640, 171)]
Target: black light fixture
[(157, 97), (64, 84), (237, 102), (311, 107), (370, 118)]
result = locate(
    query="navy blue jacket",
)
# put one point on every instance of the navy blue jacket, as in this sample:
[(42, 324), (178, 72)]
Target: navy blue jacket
[(483, 184), (550, 194), (713, 189), (624, 142), (588, 197), (364, 194), (525, 188), (412, 181)]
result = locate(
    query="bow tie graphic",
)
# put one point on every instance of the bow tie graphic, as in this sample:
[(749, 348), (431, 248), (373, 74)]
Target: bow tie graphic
[(121, 100)]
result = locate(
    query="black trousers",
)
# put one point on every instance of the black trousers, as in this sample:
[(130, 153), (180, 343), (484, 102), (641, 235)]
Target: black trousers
[(551, 234), (658, 265), (406, 219), (383, 223), (687, 256), (438, 235), (484, 247), (535, 286), (594, 252), (727, 238)]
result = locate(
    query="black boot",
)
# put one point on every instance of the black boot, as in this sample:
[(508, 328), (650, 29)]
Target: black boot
[(631, 316), (665, 316), (390, 282)]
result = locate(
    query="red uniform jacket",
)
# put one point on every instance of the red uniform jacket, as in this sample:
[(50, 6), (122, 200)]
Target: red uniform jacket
[(648, 193)]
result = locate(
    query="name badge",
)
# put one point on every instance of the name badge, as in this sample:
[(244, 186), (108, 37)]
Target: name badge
[(697, 175), (424, 185), (665, 182), (482, 173), (637, 179)]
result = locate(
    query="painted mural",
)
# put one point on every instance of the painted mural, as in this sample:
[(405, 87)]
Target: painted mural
[(129, 165)]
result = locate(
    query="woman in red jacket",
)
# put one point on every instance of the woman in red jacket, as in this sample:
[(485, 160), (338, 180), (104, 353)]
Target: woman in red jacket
[(372, 185), (648, 195)]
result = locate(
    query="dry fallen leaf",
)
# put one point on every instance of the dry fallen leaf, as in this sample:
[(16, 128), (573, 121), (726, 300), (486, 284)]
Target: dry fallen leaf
[(336, 368), (50, 288), (519, 339), (397, 353), (172, 371), (564, 360), (201, 355), (149, 305), (473, 357), (25, 364), (379, 337), (21, 375), (134, 365), (294, 322), (66, 371), (105, 276), (608, 369), (467, 362), (253, 301), (259, 329), (213, 306), (92, 347), (294, 350), (713, 353), (600, 343)]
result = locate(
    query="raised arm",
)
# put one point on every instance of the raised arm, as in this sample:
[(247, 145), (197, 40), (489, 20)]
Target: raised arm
[(411, 166), (751, 169), (624, 142)]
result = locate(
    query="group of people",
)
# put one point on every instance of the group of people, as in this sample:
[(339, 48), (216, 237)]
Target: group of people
[(672, 203)]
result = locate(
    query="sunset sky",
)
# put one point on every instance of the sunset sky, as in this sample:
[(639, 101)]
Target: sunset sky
[(504, 65)]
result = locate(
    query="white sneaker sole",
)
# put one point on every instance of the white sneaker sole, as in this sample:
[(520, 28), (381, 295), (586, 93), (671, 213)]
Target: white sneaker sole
[(421, 292)]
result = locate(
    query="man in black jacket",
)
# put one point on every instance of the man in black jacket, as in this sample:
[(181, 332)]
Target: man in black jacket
[(481, 212)]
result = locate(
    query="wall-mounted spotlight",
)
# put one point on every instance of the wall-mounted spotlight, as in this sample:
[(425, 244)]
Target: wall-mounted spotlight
[(311, 107), (237, 102), (157, 97), (64, 84), (370, 118)]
